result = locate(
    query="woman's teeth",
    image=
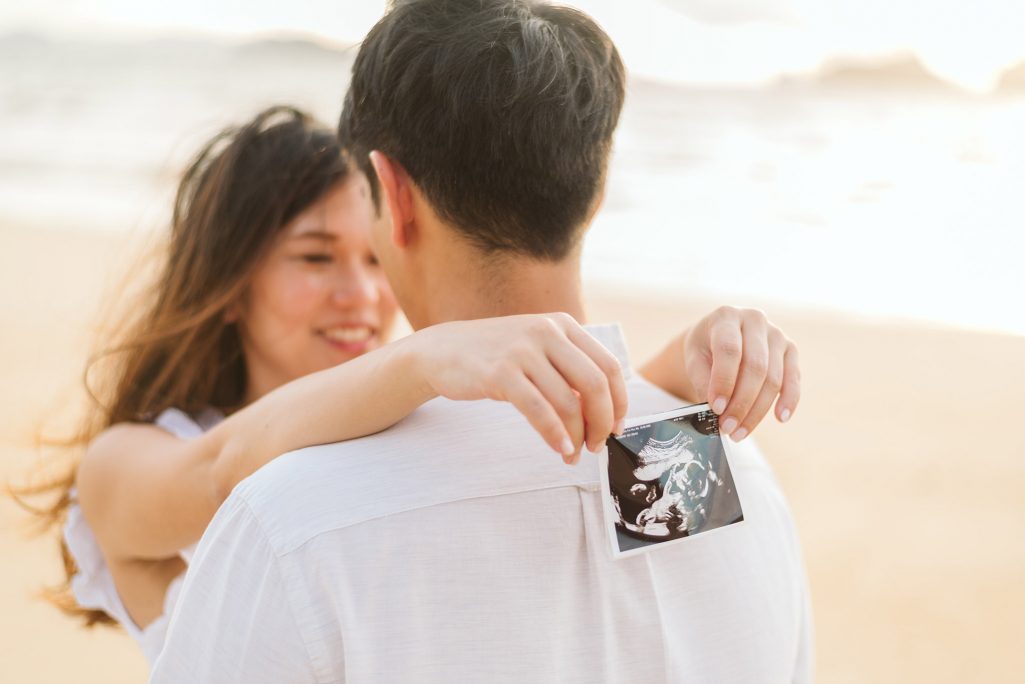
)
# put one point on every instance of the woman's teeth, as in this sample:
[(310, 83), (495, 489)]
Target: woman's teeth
[(349, 335)]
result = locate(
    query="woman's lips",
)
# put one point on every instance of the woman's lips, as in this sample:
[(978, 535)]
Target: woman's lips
[(352, 339)]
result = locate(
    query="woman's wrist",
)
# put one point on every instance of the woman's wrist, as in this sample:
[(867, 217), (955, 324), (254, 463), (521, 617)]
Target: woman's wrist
[(415, 359)]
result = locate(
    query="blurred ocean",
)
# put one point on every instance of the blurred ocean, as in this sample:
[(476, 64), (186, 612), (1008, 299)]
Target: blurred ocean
[(872, 189)]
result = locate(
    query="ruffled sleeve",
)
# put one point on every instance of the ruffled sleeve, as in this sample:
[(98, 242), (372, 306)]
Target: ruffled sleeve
[(93, 584)]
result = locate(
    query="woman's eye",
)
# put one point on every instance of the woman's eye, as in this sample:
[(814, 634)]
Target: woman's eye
[(316, 258), (372, 260)]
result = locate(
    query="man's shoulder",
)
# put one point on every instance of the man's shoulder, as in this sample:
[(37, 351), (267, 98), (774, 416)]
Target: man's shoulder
[(444, 452)]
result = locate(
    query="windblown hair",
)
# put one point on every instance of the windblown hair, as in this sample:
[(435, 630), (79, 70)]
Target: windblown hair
[(501, 111), (178, 350)]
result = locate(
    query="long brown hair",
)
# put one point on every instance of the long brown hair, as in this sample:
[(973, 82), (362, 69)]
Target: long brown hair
[(178, 350)]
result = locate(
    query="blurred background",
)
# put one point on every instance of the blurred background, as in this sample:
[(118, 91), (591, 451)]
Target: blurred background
[(853, 168)]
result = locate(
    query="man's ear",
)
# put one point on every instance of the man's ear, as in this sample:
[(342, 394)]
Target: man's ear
[(397, 196)]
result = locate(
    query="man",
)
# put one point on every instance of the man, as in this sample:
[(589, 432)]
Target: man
[(453, 548)]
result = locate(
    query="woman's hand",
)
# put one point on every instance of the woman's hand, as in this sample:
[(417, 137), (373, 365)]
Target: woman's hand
[(568, 386), (738, 362)]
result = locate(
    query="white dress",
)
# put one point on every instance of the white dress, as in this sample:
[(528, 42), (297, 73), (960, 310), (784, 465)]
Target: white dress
[(93, 585)]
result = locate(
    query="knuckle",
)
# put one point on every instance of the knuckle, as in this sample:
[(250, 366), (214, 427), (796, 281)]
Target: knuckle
[(536, 406), (774, 382), (757, 363), (569, 405), (559, 320), (726, 311), (540, 327), (594, 383), (729, 349)]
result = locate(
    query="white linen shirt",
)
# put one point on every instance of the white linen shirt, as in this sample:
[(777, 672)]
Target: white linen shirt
[(456, 547)]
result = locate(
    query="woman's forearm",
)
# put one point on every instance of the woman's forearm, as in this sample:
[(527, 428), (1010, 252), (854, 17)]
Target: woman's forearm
[(148, 494), (357, 398)]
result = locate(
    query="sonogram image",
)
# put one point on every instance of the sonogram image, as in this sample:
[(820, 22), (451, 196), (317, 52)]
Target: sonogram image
[(670, 479)]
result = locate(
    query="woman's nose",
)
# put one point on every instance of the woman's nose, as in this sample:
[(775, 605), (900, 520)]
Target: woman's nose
[(355, 285)]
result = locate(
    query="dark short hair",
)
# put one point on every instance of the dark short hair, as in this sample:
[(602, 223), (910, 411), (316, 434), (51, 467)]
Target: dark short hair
[(501, 111)]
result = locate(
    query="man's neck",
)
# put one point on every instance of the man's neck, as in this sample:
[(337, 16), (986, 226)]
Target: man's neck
[(483, 287)]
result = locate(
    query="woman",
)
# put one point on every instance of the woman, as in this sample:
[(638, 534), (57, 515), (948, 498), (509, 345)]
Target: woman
[(265, 333)]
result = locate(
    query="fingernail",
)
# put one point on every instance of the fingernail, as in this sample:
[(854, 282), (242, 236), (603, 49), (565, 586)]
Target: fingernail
[(784, 415), (620, 426), (739, 435), (719, 405), (567, 447), (729, 425)]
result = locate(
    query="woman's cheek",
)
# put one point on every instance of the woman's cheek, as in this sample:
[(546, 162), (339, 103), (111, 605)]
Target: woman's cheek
[(301, 292)]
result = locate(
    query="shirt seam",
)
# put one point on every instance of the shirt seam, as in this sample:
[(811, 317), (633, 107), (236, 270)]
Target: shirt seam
[(289, 599), (285, 550)]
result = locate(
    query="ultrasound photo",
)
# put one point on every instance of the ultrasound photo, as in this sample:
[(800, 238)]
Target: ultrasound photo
[(667, 478)]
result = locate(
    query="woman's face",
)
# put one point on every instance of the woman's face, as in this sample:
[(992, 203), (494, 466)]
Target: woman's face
[(319, 297)]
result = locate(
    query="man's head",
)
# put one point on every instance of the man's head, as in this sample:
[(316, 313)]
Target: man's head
[(499, 115)]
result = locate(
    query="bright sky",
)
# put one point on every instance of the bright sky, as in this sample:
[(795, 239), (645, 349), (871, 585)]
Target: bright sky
[(702, 41)]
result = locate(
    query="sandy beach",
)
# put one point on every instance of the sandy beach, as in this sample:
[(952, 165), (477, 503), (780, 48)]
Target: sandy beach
[(903, 466)]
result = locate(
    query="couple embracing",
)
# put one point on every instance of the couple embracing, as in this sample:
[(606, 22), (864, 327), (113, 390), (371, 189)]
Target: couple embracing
[(361, 521)]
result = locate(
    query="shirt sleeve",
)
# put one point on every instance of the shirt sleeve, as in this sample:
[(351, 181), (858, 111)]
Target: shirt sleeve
[(234, 621)]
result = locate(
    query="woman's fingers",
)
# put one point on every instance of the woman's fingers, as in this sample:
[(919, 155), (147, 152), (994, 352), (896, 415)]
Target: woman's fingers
[(609, 366), (578, 393), (563, 400), (769, 390), (524, 394), (590, 391), (754, 366), (582, 380), (790, 394), (726, 346)]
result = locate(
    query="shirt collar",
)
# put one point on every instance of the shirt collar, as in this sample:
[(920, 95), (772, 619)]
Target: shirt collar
[(610, 335)]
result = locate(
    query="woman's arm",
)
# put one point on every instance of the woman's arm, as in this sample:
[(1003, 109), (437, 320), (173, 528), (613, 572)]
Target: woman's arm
[(147, 493), (738, 362)]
